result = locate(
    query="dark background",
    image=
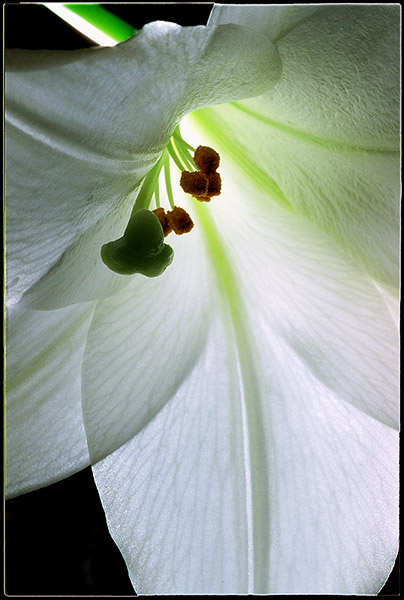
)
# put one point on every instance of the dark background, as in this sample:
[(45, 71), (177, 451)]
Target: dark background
[(32, 26), (56, 539)]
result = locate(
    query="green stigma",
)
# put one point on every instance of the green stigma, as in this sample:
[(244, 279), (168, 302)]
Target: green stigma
[(141, 249)]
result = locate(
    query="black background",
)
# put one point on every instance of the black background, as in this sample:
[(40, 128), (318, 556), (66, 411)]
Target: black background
[(56, 539)]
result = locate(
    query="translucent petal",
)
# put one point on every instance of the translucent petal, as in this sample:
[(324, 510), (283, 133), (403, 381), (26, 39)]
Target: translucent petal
[(270, 469), (84, 127), (351, 194), (181, 516), (45, 437), (296, 281), (80, 274), (311, 509), (256, 469), (326, 138), (143, 342)]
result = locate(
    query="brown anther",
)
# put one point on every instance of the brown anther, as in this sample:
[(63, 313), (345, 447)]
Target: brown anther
[(195, 183), (180, 220), (162, 217), (205, 183), (206, 159), (214, 185)]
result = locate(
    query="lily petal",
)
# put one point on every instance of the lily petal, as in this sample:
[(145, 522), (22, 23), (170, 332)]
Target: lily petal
[(88, 125), (142, 344), (313, 512), (248, 477), (79, 275), (340, 72), (297, 284), (327, 135), (274, 21), (46, 440), (242, 410)]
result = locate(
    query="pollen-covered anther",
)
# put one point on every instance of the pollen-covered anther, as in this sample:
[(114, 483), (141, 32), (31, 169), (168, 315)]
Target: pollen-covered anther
[(195, 183), (162, 217), (214, 184), (179, 220), (206, 159)]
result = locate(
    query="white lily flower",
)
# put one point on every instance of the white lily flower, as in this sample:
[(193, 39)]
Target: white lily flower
[(240, 410)]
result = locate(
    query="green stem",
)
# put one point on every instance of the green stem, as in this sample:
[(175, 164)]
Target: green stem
[(175, 157), (157, 194), (105, 21), (149, 184), (167, 176), (184, 154), (177, 136)]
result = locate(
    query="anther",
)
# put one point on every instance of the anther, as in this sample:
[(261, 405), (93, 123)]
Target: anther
[(179, 220), (206, 183), (195, 183), (162, 217), (214, 184), (206, 159)]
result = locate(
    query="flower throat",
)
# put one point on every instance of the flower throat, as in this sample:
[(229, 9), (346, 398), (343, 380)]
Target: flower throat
[(141, 249)]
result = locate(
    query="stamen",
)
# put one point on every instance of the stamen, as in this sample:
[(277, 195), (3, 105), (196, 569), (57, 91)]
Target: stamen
[(178, 137), (180, 220), (206, 183), (215, 184), (167, 176), (182, 148), (162, 217), (206, 159), (157, 194), (195, 183), (172, 149)]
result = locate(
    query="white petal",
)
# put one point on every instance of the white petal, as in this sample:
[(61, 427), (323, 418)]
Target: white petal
[(177, 497), (295, 281), (254, 479), (326, 138), (351, 194), (392, 302), (274, 21), (80, 274), (142, 344), (84, 127), (340, 71), (260, 475), (45, 437)]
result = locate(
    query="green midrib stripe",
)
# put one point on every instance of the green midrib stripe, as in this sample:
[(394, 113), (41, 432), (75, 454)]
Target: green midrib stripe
[(234, 313), (208, 119)]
